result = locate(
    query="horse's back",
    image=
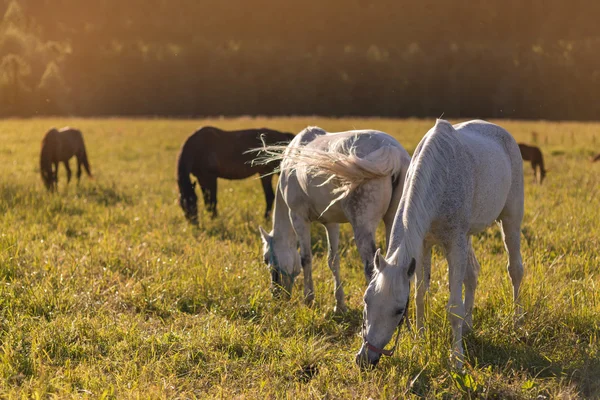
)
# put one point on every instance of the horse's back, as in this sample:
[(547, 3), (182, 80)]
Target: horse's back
[(221, 153), (489, 141), (497, 168)]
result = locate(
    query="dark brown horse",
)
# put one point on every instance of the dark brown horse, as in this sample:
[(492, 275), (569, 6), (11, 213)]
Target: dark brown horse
[(59, 146), (534, 154), (212, 153)]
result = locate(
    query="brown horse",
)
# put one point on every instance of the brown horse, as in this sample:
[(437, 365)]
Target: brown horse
[(212, 153), (59, 146), (534, 154)]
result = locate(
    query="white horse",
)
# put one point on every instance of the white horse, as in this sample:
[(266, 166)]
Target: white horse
[(332, 178), (461, 179)]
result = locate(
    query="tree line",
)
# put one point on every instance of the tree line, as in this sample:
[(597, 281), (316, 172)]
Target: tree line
[(509, 58)]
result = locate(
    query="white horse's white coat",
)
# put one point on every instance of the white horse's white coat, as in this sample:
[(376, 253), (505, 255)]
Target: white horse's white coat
[(461, 179), (332, 178)]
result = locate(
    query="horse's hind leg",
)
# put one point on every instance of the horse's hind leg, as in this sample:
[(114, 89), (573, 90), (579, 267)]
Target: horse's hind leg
[(471, 276), (333, 260), (511, 232), (364, 210), (269, 194), (213, 197), (534, 165), (209, 193)]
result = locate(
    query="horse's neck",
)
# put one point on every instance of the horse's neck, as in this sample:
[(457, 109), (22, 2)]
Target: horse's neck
[(282, 225), (421, 200)]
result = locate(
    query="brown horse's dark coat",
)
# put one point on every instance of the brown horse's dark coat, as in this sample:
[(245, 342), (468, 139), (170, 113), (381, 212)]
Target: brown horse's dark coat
[(212, 153), (534, 154), (59, 146)]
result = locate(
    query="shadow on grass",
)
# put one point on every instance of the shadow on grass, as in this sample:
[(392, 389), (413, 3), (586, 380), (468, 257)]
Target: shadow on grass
[(17, 196), (571, 356), (105, 195)]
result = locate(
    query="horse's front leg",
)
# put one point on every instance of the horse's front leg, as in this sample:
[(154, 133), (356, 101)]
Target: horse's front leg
[(423, 277), (471, 276), (68, 168), (457, 254), (54, 175), (333, 260), (269, 194), (364, 236), (302, 227)]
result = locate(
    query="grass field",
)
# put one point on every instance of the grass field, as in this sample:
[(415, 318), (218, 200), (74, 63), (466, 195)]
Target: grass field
[(107, 292)]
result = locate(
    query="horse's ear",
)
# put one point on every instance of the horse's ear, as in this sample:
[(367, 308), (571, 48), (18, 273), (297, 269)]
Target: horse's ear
[(411, 267), (379, 261), (264, 235)]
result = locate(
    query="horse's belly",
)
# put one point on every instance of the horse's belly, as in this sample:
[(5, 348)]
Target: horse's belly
[(492, 186), (489, 201)]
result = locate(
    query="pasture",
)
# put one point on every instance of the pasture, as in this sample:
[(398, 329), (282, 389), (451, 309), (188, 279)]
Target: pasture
[(107, 292)]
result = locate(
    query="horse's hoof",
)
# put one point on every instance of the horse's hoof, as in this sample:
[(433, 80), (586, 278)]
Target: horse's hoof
[(309, 300), (340, 309), (467, 325), (457, 362)]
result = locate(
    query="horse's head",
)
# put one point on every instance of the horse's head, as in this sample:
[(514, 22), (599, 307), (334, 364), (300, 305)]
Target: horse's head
[(542, 175), (48, 179), (46, 170), (188, 200), (283, 262), (386, 303)]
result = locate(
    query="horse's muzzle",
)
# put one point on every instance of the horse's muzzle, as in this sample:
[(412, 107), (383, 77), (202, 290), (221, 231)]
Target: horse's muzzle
[(364, 361)]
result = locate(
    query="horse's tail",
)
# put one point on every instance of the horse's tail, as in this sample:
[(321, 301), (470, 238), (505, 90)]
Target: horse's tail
[(346, 168), (183, 174), (541, 162), (352, 171), (185, 184), (85, 162)]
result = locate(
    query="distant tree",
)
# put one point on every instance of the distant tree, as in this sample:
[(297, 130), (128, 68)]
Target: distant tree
[(13, 71), (14, 16), (52, 92)]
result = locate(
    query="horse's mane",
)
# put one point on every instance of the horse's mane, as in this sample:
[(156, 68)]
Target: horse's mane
[(423, 189)]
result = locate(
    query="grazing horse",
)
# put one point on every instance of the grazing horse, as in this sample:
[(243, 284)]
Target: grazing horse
[(534, 154), (59, 146), (461, 179), (332, 178), (212, 153)]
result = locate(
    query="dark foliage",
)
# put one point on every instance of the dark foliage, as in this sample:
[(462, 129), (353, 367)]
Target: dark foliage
[(509, 58)]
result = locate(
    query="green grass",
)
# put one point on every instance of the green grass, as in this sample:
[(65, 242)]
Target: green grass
[(106, 292)]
